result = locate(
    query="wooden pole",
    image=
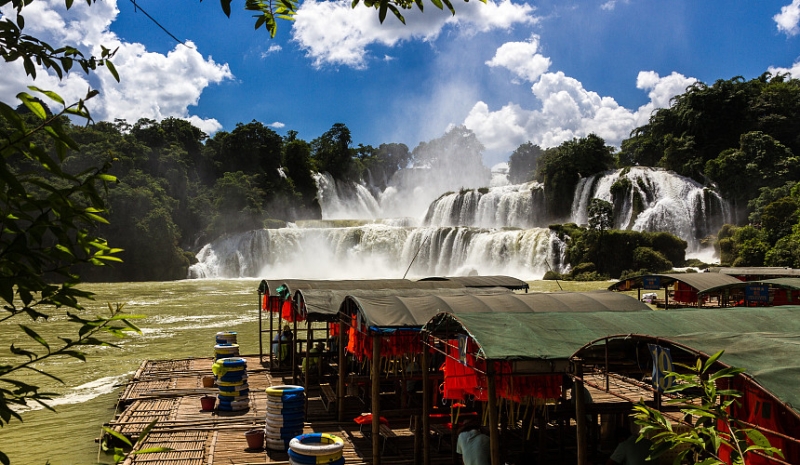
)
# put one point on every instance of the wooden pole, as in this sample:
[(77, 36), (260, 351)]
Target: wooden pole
[(271, 338), (260, 329), (426, 404), (295, 342), (309, 334), (542, 424), (494, 436), (580, 412), (341, 363), (376, 398)]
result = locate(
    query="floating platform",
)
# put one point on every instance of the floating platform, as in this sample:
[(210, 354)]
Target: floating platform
[(170, 392)]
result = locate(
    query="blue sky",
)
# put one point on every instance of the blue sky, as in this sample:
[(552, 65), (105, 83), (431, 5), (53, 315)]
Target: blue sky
[(512, 71)]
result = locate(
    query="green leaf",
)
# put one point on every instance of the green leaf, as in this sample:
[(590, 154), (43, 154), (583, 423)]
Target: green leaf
[(382, 10), (711, 361), (35, 336), (112, 69), (34, 106), (438, 4), (226, 7), (397, 13), (118, 435), (50, 94)]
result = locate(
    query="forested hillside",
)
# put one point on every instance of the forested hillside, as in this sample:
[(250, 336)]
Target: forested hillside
[(179, 189)]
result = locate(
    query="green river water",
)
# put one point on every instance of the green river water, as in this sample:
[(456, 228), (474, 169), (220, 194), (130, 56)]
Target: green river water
[(183, 318)]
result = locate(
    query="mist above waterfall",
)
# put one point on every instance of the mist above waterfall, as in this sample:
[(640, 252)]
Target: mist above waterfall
[(494, 230)]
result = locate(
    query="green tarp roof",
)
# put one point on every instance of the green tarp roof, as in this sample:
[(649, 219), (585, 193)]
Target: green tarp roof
[(772, 359), (351, 284), (788, 283), (324, 304), (757, 271), (483, 281), (764, 341), (703, 282), (453, 282), (414, 311)]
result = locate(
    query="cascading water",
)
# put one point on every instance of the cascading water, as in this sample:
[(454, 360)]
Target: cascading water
[(496, 230), (649, 199)]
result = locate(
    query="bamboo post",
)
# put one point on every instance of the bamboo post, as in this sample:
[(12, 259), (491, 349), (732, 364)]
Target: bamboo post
[(542, 424), (295, 342), (426, 405), (341, 363), (494, 436), (260, 328), (580, 412), (376, 398), (309, 334), (271, 336)]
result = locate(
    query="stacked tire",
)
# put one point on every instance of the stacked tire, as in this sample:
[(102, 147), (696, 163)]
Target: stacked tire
[(226, 351), (234, 392), (316, 448), (285, 415), (226, 337)]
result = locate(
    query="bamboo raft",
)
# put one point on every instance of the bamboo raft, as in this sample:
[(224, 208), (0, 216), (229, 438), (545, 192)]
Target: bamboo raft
[(170, 392)]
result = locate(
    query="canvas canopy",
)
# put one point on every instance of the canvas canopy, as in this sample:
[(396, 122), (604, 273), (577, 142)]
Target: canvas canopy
[(766, 342), (702, 282), (293, 285), (786, 283), (482, 281), (414, 311), (324, 304), (756, 271)]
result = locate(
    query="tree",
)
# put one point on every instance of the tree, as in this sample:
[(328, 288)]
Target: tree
[(331, 151), (522, 163), (701, 397), (49, 221), (600, 214), (561, 168)]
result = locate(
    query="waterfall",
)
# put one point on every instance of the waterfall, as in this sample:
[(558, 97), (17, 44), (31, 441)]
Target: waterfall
[(345, 200), (496, 230), (377, 251), (509, 206), (650, 199)]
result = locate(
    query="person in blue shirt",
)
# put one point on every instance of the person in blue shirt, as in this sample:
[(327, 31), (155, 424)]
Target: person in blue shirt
[(473, 445)]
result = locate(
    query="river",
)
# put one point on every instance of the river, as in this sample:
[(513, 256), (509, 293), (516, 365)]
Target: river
[(183, 318)]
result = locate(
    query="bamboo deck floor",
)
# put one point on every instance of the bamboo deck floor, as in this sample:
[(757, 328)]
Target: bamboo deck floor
[(170, 392)]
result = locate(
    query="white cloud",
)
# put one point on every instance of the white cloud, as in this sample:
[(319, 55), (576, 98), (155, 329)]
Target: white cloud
[(568, 110), (794, 71), (277, 125), (788, 19), (609, 5), (356, 29), (272, 49), (152, 85), (521, 58)]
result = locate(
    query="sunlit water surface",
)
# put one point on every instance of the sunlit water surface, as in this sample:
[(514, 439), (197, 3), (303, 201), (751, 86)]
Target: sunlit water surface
[(183, 318)]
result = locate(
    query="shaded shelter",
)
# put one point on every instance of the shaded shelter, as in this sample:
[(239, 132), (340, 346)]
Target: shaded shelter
[(387, 326), (508, 282), (757, 273), (552, 339), (276, 297), (769, 401), (696, 289)]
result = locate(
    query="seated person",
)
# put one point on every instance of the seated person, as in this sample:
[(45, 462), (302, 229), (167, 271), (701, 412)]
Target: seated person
[(630, 451), (473, 445), (312, 359)]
